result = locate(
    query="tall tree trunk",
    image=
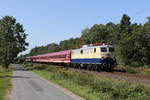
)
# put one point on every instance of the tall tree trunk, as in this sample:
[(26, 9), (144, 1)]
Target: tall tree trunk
[(6, 62)]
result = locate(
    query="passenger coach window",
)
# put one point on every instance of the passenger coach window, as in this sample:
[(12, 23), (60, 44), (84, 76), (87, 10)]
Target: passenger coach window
[(103, 49), (111, 49)]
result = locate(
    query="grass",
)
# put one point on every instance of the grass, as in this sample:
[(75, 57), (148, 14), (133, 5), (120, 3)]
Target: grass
[(146, 72), (131, 70), (5, 83), (93, 87)]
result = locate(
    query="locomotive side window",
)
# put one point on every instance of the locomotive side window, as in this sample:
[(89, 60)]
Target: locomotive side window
[(103, 49), (81, 51), (111, 49), (94, 50)]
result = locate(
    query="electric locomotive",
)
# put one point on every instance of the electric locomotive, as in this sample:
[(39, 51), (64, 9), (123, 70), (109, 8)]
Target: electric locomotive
[(98, 56)]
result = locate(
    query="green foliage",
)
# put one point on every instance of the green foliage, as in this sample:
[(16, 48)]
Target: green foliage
[(12, 40), (70, 44), (146, 71), (131, 70), (98, 33), (44, 49), (146, 66), (34, 67), (63, 45)]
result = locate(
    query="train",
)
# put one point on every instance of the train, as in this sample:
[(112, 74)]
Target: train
[(97, 56)]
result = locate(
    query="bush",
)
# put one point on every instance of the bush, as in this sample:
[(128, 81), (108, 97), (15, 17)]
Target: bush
[(51, 69), (131, 70), (146, 66), (146, 72), (101, 86), (39, 67), (30, 66)]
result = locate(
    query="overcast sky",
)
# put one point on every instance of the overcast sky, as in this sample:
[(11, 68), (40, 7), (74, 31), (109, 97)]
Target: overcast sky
[(47, 21)]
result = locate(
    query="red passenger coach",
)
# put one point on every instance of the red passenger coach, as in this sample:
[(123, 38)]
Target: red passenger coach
[(56, 57)]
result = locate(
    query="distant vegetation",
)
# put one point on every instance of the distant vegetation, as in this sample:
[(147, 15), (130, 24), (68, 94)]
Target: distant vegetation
[(132, 41), (12, 40), (91, 86)]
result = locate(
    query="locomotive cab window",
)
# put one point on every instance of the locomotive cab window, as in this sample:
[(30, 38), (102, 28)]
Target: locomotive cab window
[(111, 49), (103, 49)]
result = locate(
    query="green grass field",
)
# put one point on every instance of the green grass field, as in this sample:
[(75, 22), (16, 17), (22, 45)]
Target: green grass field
[(5, 83), (93, 87)]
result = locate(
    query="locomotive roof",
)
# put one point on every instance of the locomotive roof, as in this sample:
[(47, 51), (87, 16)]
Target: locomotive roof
[(91, 46)]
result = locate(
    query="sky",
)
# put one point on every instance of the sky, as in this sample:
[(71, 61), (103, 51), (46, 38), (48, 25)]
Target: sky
[(51, 21)]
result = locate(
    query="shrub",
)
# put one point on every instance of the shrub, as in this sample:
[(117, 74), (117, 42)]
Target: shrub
[(30, 66), (146, 66), (131, 70), (146, 72)]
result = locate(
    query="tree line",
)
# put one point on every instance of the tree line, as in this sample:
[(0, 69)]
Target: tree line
[(131, 41)]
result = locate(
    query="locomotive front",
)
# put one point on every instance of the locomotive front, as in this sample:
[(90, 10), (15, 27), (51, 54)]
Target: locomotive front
[(107, 57)]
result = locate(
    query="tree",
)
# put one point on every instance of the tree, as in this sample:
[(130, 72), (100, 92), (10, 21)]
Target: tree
[(53, 47), (98, 33), (70, 44), (85, 32), (12, 40), (123, 40), (124, 27)]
